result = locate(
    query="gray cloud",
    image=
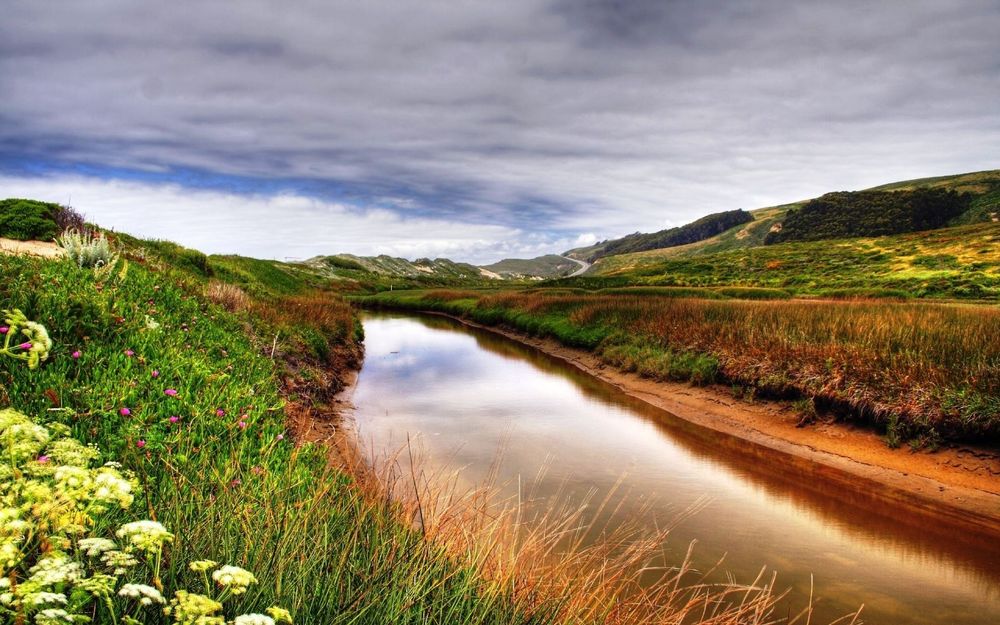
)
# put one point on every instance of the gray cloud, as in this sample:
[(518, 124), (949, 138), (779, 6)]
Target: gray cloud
[(564, 117)]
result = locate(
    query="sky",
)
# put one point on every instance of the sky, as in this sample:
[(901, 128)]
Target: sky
[(475, 129)]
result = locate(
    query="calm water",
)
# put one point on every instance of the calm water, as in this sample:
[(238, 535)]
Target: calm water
[(464, 394)]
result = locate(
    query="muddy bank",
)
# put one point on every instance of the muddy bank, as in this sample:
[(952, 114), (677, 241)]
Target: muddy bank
[(960, 483)]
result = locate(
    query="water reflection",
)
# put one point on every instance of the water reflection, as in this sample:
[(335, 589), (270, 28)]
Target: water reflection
[(464, 392)]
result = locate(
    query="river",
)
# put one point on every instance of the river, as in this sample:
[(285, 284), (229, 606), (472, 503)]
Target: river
[(463, 394)]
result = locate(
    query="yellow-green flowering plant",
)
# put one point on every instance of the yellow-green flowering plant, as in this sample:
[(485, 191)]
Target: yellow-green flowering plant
[(58, 562), (32, 345)]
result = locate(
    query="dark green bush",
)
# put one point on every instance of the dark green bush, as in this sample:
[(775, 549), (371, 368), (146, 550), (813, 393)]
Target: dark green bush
[(27, 220)]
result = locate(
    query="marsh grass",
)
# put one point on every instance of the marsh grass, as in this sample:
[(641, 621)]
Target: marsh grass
[(933, 367)]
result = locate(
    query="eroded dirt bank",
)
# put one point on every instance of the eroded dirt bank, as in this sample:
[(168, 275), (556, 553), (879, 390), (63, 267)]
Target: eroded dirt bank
[(960, 483)]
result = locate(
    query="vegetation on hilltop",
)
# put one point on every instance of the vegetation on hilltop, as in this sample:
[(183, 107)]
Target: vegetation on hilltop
[(548, 266), (845, 214), (27, 220), (923, 373)]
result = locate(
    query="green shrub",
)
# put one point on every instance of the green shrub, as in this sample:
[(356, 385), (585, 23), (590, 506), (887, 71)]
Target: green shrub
[(27, 220)]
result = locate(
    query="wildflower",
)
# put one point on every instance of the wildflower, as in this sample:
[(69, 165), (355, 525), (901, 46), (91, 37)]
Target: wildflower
[(145, 535), (243, 425), (94, 547), (54, 568), (220, 412), (129, 353), (124, 412), (171, 392), (39, 599), (43, 458), (155, 373), (253, 619), (53, 616), (75, 355), (25, 346), (234, 578), (98, 584), (200, 566), (140, 443), (281, 437), (189, 607), (174, 419), (4, 329), (280, 615), (145, 595), (118, 561)]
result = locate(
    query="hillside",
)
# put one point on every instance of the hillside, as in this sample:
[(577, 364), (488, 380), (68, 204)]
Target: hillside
[(699, 230), (548, 266), (982, 189)]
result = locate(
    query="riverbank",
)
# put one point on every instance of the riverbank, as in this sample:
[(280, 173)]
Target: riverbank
[(958, 483)]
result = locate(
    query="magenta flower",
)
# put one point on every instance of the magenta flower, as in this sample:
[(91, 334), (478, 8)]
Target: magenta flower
[(172, 392), (243, 425), (43, 459), (75, 354), (281, 437), (124, 412), (129, 353), (220, 412), (155, 373), (140, 443), (174, 419), (26, 345), (4, 329)]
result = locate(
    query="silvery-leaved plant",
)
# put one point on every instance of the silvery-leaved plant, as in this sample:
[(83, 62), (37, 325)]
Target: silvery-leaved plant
[(24, 339), (57, 566)]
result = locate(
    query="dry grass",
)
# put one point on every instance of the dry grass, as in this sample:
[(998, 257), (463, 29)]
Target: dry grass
[(229, 296), (546, 553)]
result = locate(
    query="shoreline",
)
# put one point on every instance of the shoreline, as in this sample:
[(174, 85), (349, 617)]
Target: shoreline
[(960, 483)]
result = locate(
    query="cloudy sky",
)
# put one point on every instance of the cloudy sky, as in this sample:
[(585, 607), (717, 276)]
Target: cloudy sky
[(479, 129)]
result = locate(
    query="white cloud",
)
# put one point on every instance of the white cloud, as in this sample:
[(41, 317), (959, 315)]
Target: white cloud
[(278, 226)]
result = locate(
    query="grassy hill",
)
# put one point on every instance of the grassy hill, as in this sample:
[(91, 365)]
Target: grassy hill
[(548, 266), (983, 206)]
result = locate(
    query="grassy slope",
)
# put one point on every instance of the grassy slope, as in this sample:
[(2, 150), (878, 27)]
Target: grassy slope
[(986, 185), (924, 372), (958, 262), (241, 496)]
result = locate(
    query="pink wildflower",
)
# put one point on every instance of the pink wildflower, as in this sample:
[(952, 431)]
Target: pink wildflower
[(174, 419), (129, 353), (172, 392), (4, 329), (281, 437), (43, 459), (75, 354), (243, 425), (124, 412), (220, 412), (155, 373), (140, 443), (26, 345)]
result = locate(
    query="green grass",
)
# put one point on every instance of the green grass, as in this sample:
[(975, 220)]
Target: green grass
[(238, 495)]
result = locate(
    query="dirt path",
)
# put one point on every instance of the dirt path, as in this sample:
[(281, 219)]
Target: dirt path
[(44, 249), (960, 483)]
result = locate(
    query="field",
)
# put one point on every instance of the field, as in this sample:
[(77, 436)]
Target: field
[(923, 373)]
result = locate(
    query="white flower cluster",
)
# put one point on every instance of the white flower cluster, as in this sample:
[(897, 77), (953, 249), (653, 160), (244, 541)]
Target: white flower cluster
[(53, 571)]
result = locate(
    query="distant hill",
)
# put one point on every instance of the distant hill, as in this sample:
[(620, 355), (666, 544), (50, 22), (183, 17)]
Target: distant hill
[(549, 266), (704, 228), (391, 266), (981, 190)]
